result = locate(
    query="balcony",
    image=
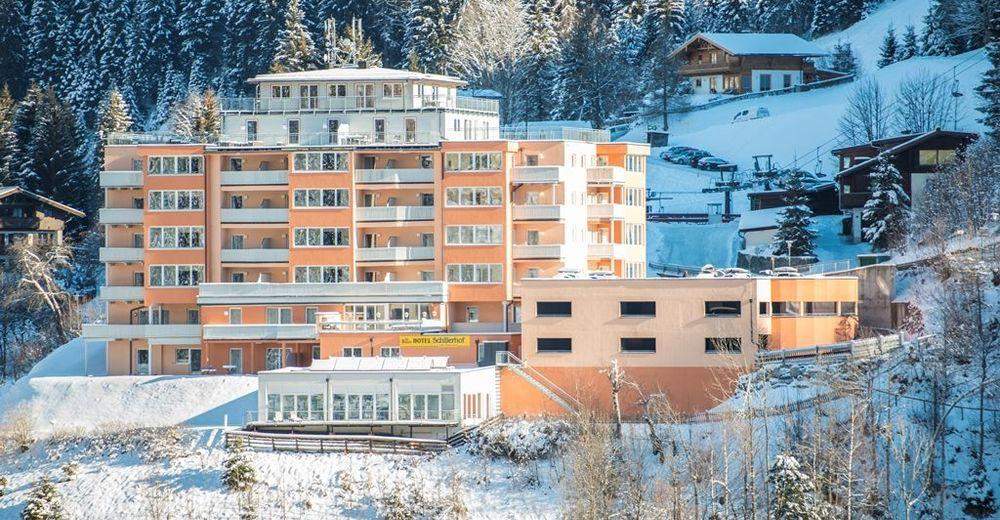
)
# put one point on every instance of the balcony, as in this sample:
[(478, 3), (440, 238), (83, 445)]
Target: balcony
[(394, 176), (329, 324), (315, 293), (121, 254), (607, 210), (539, 174), (120, 293), (539, 251), (254, 178), (254, 256), (121, 179), (483, 327), (606, 175), (393, 254), (254, 215), (119, 216), (394, 213), (538, 212), (285, 331), (374, 139), (607, 250), (156, 334), (327, 104)]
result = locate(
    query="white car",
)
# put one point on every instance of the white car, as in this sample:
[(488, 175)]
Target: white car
[(751, 113)]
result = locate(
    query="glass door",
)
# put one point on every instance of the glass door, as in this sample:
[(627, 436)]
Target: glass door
[(380, 130), (195, 360), (235, 361), (142, 362), (365, 95)]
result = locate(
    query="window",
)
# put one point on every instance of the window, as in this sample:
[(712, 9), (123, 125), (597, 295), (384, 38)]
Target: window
[(848, 308), (440, 406), (722, 308), (333, 198), (821, 308), (474, 196), (472, 161), (472, 314), (389, 352), (175, 275), (193, 317), (763, 308), (473, 235), (723, 345), (638, 344), (634, 163), (279, 315), (317, 352), (554, 345), (553, 309), (311, 314), (284, 91), (175, 165), (176, 200), (785, 308), (322, 237), (322, 273), (235, 316), (787, 81), (533, 272), (634, 234), (634, 197), (351, 351), (338, 90), (295, 407), (392, 90), (176, 237), (320, 161), (474, 273), (638, 309), (936, 157), (182, 356), (238, 277), (765, 82)]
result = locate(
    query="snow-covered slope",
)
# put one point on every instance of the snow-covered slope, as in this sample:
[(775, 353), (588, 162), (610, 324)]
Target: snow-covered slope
[(866, 36), (58, 396)]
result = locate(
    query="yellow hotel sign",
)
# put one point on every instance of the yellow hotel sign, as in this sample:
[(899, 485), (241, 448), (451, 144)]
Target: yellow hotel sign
[(439, 341)]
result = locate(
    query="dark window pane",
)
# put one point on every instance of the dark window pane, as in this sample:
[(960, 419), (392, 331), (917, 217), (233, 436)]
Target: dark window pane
[(638, 308), (554, 309), (722, 308), (638, 344), (723, 345), (554, 344)]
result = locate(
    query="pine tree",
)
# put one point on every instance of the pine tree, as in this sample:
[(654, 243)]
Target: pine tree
[(889, 52), (661, 77), (7, 138), (430, 34), (252, 27), (978, 494), (588, 81), (794, 491), (796, 220), (208, 118), (43, 45), (910, 47), (239, 475), (115, 118), (539, 69), (886, 214), (354, 47), (989, 90), (843, 59), (732, 16), (44, 503), (295, 50), (13, 59), (942, 30), (199, 26)]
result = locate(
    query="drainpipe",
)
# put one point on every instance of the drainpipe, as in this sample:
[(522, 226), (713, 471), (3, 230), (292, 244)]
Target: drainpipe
[(506, 317), (131, 314)]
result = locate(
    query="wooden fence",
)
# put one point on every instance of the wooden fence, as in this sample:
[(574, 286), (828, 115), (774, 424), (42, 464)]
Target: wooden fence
[(302, 442), (859, 348)]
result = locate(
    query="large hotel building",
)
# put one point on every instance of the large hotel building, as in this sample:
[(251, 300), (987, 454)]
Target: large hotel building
[(370, 212)]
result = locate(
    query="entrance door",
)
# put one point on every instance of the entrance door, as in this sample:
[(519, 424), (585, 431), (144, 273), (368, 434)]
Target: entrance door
[(365, 95), (195, 360), (487, 354), (236, 361), (142, 361)]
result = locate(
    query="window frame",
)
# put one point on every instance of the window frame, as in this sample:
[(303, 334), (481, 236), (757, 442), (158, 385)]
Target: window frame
[(633, 350), (540, 314), (722, 304), (622, 313), (714, 350), (553, 349)]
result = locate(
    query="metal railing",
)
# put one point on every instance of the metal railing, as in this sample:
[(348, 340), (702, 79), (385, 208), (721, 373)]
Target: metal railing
[(389, 254), (508, 358), (394, 213), (555, 134), (121, 179), (334, 443), (252, 178), (354, 104), (537, 212), (394, 175), (380, 325), (539, 251), (387, 138)]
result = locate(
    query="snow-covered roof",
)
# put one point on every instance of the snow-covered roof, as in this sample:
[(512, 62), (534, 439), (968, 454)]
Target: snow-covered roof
[(6, 191), (758, 44), (760, 219), (356, 74), (914, 139), (378, 364)]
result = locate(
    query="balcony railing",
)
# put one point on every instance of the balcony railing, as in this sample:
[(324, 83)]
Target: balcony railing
[(343, 292), (121, 179), (538, 212), (606, 175), (121, 254), (165, 334), (394, 176), (391, 254), (260, 331), (539, 174), (254, 215), (254, 178), (353, 104), (331, 325), (120, 216), (607, 210), (524, 251), (374, 139), (254, 255), (394, 213), (607, 250), (121, 293), (513, 132)]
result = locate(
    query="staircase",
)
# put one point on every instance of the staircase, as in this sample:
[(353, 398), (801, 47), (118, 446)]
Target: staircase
[(461, 437), (538, 380)]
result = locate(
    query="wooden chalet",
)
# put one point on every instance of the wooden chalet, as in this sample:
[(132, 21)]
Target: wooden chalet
[(28, 216)]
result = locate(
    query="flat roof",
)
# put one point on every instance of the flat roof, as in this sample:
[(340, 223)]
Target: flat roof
[(356, 74), (373, 364)]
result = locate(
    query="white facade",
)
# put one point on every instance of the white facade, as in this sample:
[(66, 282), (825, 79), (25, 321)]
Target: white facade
[(777, 79)]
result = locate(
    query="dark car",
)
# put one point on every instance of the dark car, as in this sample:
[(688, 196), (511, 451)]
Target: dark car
[(671, 154), (692, 158), (710, 163)]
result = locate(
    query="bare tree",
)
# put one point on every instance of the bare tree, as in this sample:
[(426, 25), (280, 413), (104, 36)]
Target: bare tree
[(867, 115), (923, 103)]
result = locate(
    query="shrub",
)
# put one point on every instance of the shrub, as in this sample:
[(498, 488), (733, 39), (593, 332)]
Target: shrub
[(521, 440), (44, 503), (240, 475)]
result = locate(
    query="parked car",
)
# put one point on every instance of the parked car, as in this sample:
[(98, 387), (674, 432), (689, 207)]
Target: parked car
[(671, 154), (692, 157), (710, 163), (751, 113)]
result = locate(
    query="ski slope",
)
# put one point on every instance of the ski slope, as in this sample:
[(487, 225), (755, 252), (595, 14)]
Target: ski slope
[(866, 35)]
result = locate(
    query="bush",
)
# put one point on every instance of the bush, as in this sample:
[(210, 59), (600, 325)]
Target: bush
[(17, 432), (44, 503), (413, 497), (521, 440), (240, 475)]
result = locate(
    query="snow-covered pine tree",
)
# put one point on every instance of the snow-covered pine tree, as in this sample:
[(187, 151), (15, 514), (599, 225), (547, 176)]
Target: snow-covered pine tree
[(978, 493), (295, 50), (7, 142), (239, 475), (184, 114), (889, 52), (733, 16), (910, 46), (886, 215), (795, 224), (709, 19), (154, 57), (354, 47), (170, 93), (199, 27), (661, 78), (588, 84), (115, 118), (942, 34), (539, 70), (989, 89), (12, 41), (44, 502), (252, 27), (843, 59), (114, 17), (794, 491), (429, 35), (829, 15), (208, 118), (43, 42)]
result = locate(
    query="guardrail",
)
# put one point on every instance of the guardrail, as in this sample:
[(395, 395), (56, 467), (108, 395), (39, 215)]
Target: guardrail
[(334, 443), (508, 358), (859, 348)]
